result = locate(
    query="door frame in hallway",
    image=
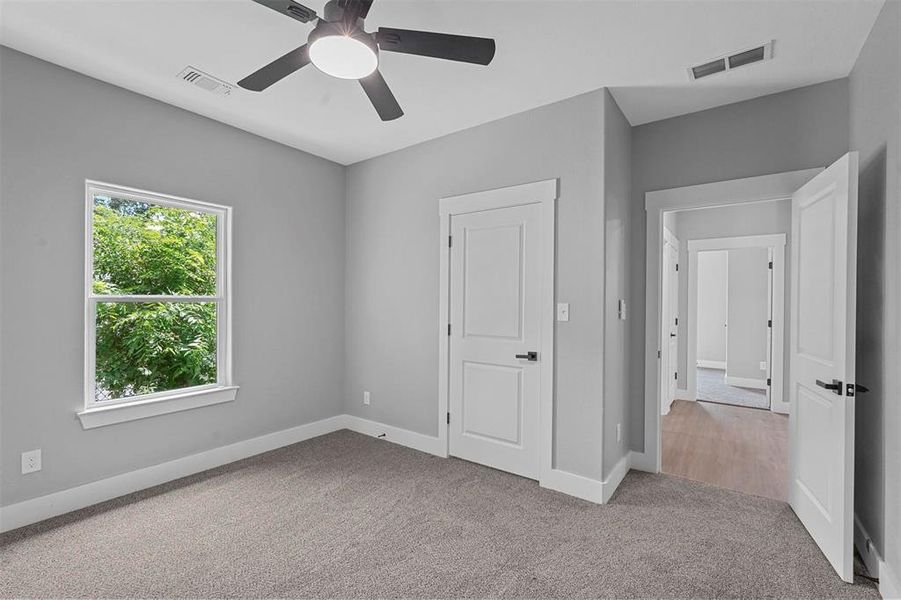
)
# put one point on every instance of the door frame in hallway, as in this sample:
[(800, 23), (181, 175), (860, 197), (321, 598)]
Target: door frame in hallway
[(765, 188), (545, 194), (776, 342)]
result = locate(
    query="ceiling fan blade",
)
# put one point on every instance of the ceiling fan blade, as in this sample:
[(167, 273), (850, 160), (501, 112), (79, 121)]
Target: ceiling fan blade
[(276, 70), (461, 48), (293, 9), (381, 97), (355, 9)]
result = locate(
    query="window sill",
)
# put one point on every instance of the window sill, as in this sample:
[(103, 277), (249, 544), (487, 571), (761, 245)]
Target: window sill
[(120, 413)]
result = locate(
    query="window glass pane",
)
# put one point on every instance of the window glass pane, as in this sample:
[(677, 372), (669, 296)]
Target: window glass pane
[(146, 347), (142, 248)]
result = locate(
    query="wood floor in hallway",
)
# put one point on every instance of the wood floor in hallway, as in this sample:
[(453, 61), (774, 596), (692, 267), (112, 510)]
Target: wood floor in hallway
[(738, 448)]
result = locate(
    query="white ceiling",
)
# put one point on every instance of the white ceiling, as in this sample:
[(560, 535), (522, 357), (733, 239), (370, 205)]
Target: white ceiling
[(548, 50)]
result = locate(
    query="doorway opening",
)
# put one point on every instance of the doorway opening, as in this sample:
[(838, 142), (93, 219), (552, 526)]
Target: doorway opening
[(734, 287), (821, 350), (723, 301)]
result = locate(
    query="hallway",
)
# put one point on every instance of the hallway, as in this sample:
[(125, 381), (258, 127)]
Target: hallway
[(733, 447)]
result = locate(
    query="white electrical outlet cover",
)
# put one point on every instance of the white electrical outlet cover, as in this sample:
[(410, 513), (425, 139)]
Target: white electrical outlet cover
[(31, 461), (563, 311), (366, 398)]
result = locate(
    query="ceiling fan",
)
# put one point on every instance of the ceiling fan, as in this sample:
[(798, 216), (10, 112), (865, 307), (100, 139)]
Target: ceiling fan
[(340, 47)]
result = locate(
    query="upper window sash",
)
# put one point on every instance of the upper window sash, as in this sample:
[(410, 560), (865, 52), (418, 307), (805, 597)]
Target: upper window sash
[(222, 213)]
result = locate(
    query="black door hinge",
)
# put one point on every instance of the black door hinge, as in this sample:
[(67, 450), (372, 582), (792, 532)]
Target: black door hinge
[(675, 376), (677, 266), (448, 418), (771, 264), (448, 329), (659, 354), (769, 323), (677, 320), (769, 382), (450, 241)]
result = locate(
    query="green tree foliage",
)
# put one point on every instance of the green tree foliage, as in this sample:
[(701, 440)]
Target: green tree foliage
[(143, 249)]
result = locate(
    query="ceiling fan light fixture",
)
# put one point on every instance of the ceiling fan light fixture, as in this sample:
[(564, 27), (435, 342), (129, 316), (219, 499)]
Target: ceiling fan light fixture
[(343, 55)]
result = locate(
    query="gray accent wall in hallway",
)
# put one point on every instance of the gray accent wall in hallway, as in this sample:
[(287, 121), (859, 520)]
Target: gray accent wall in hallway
[(59, 128), (875, 111), (798, 129), (393, 246)]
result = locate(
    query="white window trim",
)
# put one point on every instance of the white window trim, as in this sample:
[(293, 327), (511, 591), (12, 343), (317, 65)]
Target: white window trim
[(98, 414)]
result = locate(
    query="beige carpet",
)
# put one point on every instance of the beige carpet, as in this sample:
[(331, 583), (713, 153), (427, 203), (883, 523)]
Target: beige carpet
[(346, 515)]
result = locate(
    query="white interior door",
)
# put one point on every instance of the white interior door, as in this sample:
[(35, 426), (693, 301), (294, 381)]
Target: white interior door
[(823, 294), (670, 321), (495, 279)]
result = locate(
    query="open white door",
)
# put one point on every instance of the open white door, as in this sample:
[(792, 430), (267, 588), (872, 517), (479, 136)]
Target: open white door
[(823, 295), (670, 319)]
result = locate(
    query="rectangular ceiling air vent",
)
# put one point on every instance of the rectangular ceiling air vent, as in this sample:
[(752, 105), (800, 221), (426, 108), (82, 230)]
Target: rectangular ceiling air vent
[(206, 82), (732, 61)]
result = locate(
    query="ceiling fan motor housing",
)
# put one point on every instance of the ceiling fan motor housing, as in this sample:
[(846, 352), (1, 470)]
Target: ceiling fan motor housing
[(334, 12)]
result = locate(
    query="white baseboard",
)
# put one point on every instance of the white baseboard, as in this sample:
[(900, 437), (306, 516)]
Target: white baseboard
[(685, 395), (641, 461), (587, 488), (711, 364), (58, 503), (571, 484), (864, 544), (616, 476), (889, 584), (783, 408), (747, 382), (43, 507), (404, 437)]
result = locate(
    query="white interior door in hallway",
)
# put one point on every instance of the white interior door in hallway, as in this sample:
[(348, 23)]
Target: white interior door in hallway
[(671, 317), (495, 337), (823, 299)]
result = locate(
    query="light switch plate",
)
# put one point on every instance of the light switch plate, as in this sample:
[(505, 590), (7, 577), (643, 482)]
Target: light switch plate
[(563, 311), (622, 310), (763, 365), (366, 398), (31, 461)]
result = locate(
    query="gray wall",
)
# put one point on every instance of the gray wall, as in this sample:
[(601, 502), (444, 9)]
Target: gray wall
[(876, 133), (59, 128), (748, 306), (392, 265), (617, 179), (798, 129)]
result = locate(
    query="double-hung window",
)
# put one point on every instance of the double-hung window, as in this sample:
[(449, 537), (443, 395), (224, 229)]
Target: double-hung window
[(156, 304)]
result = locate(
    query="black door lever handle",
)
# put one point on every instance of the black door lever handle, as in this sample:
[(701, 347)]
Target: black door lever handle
[(532, 356), (835, 386)]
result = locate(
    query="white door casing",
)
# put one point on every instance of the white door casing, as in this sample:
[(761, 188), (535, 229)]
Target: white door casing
[(822, 351), (489, 438), (495, 302)]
